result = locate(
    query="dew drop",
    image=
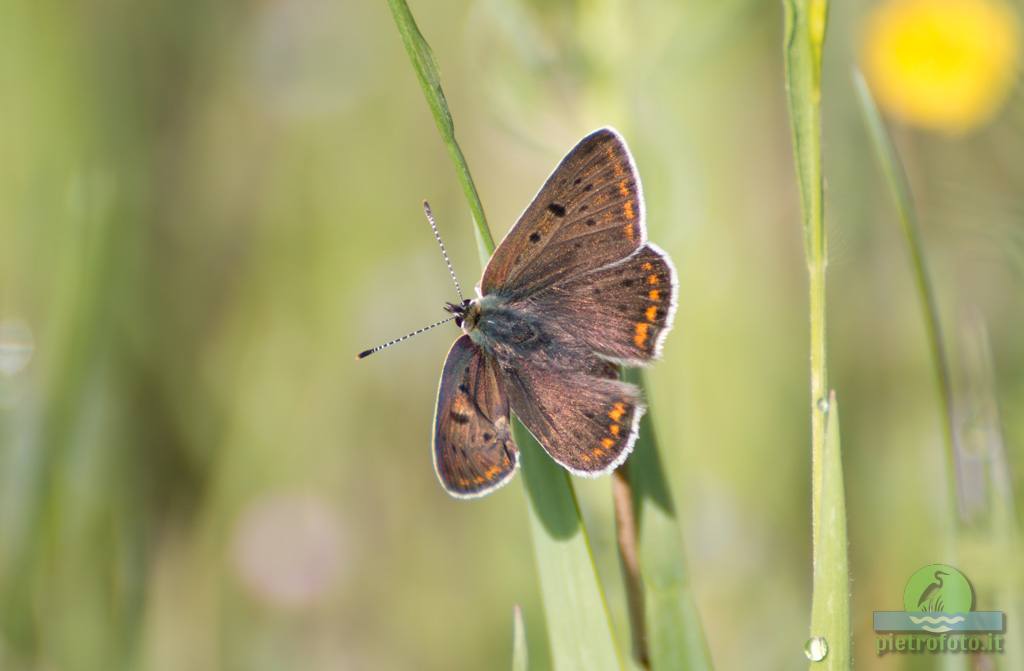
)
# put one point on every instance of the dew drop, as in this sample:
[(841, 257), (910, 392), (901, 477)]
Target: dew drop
[(16, 346), (823, 404), (816, 648)]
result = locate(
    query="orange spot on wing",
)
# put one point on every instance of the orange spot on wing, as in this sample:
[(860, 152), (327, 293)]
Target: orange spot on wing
[(652, 279), (617, 411), (647, 266), (623, 189), (628, 229), (618, 166), (607, 443), (651, 313), (628, 209), (640, 336), (654, 295), (614, 428)]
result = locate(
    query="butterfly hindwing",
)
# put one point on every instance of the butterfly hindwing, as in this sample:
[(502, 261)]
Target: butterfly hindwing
[(622, 311), (589, 213), (587, 424), (474, 452)]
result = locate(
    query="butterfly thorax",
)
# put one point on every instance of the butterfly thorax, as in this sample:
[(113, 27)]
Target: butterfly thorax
[(492, 322)]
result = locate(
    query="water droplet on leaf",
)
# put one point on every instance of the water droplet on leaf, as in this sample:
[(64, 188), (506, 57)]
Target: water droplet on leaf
[(816, 648)]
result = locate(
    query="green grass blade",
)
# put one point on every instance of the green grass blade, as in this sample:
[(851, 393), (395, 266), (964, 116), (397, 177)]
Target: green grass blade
[(520, 654), (574, 604), (896, 178), (830, 612), (577, 616), (429, 76), (806, 21), (675, 636)]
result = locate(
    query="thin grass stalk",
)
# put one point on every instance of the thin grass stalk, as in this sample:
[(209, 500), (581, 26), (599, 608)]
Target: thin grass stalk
[(804, 39), (899, 187), (577, 613), (429, 76), (626, 536), (520, 653)]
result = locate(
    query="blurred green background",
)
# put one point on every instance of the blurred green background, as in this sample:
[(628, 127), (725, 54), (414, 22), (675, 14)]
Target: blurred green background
[(207, 208)]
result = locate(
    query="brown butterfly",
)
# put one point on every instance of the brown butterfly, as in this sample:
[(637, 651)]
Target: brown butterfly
[(573, 291)]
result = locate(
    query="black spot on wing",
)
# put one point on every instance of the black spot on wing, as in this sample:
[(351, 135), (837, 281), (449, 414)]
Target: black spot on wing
[(459, 418), (556, 209), (535, 237)]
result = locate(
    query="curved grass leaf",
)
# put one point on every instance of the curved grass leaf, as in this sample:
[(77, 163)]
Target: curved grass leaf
[(896, 178), (577, 617), (574, 604), (675, 636)]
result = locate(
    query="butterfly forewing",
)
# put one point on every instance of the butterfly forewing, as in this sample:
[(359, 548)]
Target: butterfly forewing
[(588, 214), (474, 452)]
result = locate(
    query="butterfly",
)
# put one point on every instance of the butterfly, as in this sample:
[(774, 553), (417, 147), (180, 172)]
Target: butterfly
[(572, 292)]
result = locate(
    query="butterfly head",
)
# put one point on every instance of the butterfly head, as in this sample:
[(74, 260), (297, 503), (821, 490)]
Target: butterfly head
[(467, 313)]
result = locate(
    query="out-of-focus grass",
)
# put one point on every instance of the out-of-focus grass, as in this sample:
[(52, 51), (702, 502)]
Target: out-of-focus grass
[(896, 179), (981, 523), (994, 524)]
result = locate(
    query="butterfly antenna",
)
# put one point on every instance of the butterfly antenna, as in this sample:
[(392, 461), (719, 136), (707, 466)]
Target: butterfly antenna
[(444, 252), (368, 352)]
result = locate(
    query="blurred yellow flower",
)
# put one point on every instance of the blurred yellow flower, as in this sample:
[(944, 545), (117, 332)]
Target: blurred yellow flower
[(942, 64)]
